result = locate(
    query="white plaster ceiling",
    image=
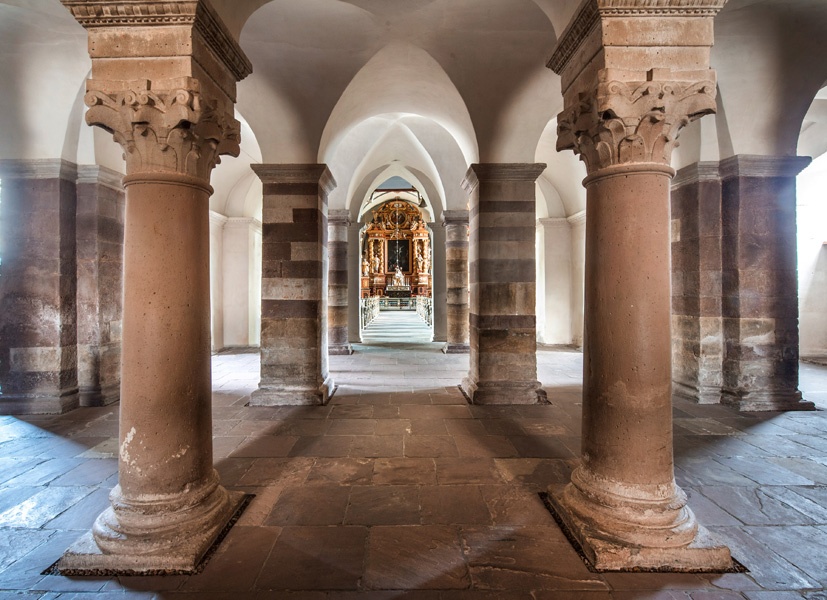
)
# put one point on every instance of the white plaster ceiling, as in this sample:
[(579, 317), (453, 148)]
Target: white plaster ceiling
[(428, 85)]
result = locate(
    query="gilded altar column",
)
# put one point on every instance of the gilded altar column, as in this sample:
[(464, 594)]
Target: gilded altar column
[(294, 358), (456, 275), (338, 222), (173, 119), (623, 504), (502, 281)]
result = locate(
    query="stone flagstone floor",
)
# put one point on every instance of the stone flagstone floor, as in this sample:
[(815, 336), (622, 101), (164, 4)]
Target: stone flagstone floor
[(399, 485)]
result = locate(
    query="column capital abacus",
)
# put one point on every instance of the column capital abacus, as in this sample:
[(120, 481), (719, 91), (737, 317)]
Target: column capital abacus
[(624, 102), (339, 217), (455, 217), (627, 119), (165, 126)]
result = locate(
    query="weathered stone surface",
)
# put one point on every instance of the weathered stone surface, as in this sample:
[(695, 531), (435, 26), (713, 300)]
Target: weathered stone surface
[(697, 325), (425, 557), (173, 119), (456, 274), (338, 223), (294, 286), (622, 117), (100, 232), (38, 290), (759, 297), (315, 558), (502, 275)]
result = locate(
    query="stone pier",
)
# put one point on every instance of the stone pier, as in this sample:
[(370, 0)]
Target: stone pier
[(623, 117), (38, 304), (100, 228), (697, 326), (760, 282), (173, 118), (294, 363), (456, 276), (502, 276), (338, 222)]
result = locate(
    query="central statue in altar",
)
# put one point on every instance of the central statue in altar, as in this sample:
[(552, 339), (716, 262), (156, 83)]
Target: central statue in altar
[(398, 277)]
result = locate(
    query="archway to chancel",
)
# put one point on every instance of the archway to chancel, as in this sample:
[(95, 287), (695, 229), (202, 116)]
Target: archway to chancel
[(396, 259)]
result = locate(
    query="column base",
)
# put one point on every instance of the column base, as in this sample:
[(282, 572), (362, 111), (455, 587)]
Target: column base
[(100, 396), (503, 392), (340, 349), (450, 348), (702, 553), (22, 404), (702, 395), (164, 546), (292, 395), (766, 401)]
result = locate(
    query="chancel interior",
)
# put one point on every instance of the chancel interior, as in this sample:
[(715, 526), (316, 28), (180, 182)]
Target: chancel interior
[(413, 298)]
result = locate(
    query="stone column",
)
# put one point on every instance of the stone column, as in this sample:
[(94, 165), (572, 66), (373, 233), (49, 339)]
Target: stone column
[(294, 364), (100, 225), (173, 118), (456, 278), (760, 282), (38, 310), (502, 275), (337, 228), (625, 102), (697, 327)]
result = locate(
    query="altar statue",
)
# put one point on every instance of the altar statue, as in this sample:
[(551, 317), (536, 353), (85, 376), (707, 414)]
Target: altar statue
[(398, 277), (365, 267)]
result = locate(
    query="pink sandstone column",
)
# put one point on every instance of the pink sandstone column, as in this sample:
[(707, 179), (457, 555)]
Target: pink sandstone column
[(168, 506), (623, 505)]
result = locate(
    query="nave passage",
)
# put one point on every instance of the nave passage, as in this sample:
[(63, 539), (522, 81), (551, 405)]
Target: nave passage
[(399, 484)]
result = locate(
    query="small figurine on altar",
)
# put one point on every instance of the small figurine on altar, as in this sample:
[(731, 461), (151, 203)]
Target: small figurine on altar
[(365, 266), (376, 263), (398, 277), (420, 260)]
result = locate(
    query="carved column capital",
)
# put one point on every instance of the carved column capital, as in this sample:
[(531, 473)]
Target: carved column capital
[(623, 120), (166, 126)]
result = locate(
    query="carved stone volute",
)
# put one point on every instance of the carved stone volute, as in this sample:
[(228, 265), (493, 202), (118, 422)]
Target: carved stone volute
[(164, 126), (626, 121)]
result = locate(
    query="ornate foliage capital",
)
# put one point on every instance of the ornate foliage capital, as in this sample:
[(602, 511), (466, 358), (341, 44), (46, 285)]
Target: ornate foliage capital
[(622, 121), (164, 126)]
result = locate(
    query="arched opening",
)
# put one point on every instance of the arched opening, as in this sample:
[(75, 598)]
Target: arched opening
[(811, 213), (395, 262)]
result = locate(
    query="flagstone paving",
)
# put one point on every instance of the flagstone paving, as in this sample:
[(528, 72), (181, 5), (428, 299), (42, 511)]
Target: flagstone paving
[(399, 489)]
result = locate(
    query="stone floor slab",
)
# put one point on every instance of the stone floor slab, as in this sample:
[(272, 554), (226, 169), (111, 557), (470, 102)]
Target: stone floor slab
[(415, 557)]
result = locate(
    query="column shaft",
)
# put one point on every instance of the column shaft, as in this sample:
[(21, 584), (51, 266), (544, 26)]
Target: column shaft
[(502, 275), (337, 311), (294, 363), (456, 276), (626, 359), (38, 310)]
